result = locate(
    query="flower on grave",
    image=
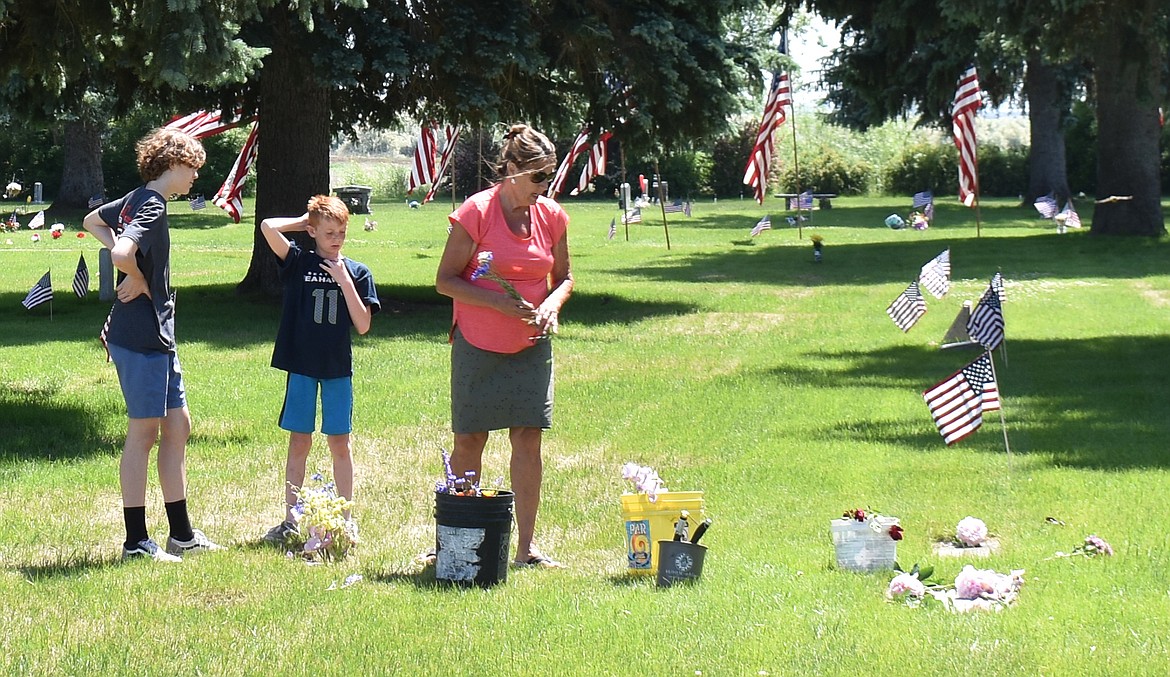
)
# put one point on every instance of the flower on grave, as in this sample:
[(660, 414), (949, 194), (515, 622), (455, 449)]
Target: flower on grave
[(57, 230), (81, 235), (645, 479), (1093, 546), (12, 189), (972, 583), (905, 584), (467, 485), (874, 521), (323, 532), (971, 532)]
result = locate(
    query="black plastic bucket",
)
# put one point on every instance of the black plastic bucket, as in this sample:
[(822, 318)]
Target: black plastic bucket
[(472, 536), (679, 561)]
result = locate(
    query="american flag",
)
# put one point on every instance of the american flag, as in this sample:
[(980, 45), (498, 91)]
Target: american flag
[(202, 124), (967, 101), (907, 308), (957, 404), (450, 138), (756, 172), (42, 291), (922, 199), (81, 278), (228, 198), (985, 326), (1046, 205), (676, 207), (579, 146), (804, 201), (1071, 218), (594, 164), (37, 221), (96, 201), (762, 225), (198, 202), (632, 216), (422, 169), (936, 275), (997, 285), (612, 228), (106, 332)]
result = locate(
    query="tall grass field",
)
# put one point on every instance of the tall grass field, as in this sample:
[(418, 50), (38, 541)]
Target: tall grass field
[(732, 365)]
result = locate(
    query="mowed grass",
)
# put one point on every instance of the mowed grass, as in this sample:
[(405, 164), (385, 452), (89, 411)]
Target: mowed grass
[(732, 365)]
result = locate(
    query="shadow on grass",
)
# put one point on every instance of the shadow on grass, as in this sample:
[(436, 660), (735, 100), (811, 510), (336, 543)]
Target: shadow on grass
[(1101, 403), (37, 428), (67, 566), (1076, 256), (216, 315)]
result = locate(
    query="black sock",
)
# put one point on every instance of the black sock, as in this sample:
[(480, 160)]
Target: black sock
[(135, 519), (179, 521)]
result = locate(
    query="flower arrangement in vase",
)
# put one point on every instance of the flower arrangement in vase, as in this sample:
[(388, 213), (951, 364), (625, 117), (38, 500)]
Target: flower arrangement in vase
[(865, 540)]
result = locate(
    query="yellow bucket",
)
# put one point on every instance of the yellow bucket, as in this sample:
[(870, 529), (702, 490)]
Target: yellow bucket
[(647, 523)]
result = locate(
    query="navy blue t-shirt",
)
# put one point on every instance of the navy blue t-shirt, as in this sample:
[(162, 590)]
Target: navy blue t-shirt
[(313, 339), (145, 325)]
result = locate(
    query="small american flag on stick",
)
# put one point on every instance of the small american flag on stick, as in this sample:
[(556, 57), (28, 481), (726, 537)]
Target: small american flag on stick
[(907, 308), (958, 402), (936, 275)]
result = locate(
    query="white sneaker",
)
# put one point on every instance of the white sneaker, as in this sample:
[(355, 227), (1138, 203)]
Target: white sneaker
[(199, 543), (148, 549)]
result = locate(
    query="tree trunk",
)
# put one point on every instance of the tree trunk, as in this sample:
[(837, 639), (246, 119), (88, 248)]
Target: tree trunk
[(292, 163), (1047, 105), (82, 177), (1128, 79)]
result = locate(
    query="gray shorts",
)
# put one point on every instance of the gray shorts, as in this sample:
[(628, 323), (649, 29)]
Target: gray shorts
[(490, 391), (152, 383)]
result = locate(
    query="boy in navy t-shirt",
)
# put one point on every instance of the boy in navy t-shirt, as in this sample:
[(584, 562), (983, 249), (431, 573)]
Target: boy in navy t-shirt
[(140, 338), (324, 295)]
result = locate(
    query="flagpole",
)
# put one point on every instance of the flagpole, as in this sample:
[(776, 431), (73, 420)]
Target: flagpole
[(665, 229), (796, 170), (1002, 421)]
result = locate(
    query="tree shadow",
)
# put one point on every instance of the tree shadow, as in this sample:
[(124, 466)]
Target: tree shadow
[(39, 428), (790, 262), (1097, 403)]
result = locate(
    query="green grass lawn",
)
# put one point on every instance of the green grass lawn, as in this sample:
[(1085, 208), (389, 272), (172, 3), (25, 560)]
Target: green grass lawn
[(732, 365)]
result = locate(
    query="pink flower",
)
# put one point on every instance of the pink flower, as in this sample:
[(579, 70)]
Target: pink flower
[(972, 583), (905, 584), (1095, 545), (971, 532)]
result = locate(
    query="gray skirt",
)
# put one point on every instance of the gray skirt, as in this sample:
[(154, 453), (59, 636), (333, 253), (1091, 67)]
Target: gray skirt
[(490, 391)]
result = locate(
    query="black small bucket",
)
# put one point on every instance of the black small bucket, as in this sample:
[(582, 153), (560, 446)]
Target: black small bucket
[(679, 561), (472, 536)]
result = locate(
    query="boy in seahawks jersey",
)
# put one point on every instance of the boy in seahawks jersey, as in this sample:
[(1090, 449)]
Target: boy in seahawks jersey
[(325, 294)]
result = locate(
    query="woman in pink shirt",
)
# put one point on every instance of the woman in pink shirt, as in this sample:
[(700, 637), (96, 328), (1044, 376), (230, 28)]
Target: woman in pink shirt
[(501, 355)]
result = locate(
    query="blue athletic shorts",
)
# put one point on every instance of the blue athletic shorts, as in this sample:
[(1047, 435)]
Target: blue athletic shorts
[(299, 413), (151, 383)]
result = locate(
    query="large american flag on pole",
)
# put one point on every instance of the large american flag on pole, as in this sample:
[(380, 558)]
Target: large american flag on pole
[(936, 274), (594, 164), (985, 326), (579, 146), (907, 308), (422, 169), (779, 97), (967, 101), (450, 138), (958, 402), (229, 196), (202, 124)]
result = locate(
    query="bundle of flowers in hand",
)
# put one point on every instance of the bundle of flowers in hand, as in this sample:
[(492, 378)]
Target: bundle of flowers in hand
[(865, 540), (323, 533), (1092, 547), (485, 271)]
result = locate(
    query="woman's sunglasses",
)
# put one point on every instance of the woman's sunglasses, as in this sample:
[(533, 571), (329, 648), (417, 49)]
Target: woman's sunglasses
[(540, 177)]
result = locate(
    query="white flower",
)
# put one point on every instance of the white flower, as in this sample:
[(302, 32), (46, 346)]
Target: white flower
[(905, 584), (971, 532)]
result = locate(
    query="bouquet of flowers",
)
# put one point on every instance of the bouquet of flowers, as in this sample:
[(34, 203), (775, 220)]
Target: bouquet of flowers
[(468, 485), (322, 531), (971, 532), (1092, 547), (874, 521), (645, 479), (484, 270), (973, 589)]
